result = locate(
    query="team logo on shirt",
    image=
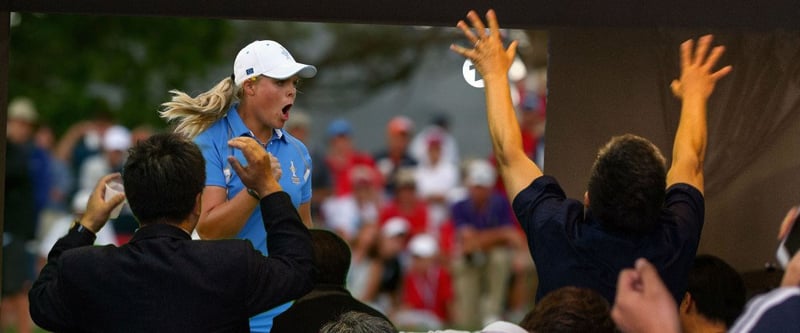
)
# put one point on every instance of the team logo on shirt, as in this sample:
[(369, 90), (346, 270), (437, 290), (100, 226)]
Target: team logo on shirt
[(295, 179)]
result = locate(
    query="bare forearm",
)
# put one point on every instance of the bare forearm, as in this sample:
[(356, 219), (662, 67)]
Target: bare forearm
[(515, 168), (503, 125), (63, 150), (690, 140), (227, 219), (688, 153)]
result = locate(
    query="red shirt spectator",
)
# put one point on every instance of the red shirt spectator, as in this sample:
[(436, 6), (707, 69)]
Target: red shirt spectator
[(426, 285), (342, 156)]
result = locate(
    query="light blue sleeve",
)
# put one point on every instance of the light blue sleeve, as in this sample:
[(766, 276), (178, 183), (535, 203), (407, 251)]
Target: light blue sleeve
[(216, 160)]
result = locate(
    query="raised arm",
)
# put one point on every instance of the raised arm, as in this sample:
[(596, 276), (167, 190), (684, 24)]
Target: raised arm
[(493, 61), (694, 87), (49, 309)]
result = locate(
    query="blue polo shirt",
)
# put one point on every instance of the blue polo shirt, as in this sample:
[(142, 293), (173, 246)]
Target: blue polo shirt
[(296, 180), (571, 248)]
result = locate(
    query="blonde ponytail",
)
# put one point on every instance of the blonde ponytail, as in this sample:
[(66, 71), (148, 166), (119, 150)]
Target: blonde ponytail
[(195, 114)]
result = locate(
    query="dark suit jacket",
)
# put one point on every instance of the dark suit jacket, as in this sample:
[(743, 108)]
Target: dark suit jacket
[(162, 281), (322, 305)]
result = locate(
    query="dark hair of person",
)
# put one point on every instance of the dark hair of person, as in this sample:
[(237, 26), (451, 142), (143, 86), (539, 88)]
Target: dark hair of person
[(358, 322), (162, 177), (570, 309), (627, 185), (717, 289), (331, 257)]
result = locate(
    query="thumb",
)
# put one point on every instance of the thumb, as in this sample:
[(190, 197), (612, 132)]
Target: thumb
[(787, 223), (511, 52), (237, 167), (116, 200), (647, 272), (676, 88)]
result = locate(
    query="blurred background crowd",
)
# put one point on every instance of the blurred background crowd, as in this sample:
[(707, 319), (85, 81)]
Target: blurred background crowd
[(433, 237)]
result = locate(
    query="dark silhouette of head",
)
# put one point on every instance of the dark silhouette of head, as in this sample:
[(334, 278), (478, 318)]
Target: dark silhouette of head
[(570, 309), (716, 289), (627, 185), (162, 177), (331, 257)]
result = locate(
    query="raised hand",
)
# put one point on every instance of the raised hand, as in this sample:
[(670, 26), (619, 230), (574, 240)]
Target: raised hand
[(643, 303), (697, 64), (258, 174), (488, 54), (98, 209)]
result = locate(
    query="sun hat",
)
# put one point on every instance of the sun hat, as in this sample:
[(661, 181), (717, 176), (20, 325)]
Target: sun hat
[(22, 108)]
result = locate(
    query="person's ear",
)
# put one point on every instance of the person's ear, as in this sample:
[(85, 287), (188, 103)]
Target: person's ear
[(586, 199), (686, 303), (198, 204), (249, 88)]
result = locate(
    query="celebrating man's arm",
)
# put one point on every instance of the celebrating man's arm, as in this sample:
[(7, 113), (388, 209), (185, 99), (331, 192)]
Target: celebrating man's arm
[(694, 88), (48, 309), (493, 61)]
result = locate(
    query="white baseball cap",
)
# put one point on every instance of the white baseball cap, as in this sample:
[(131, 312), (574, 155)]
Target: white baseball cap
[(423, 245), (480, 173), (22, 108), (117, 138), (268, 58), (394, 227)]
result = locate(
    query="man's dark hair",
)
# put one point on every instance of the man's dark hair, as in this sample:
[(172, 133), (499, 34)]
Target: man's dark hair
[(331, 257), (717, 289), (570, 309), (163, 176), (627, 186)]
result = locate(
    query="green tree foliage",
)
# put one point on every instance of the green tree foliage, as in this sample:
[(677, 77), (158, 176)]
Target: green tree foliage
[(68, 62)]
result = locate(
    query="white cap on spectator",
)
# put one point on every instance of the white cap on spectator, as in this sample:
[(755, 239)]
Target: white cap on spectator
[(117, 138), (22, 108), (423, 245), (480, 173), (394, 227)]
